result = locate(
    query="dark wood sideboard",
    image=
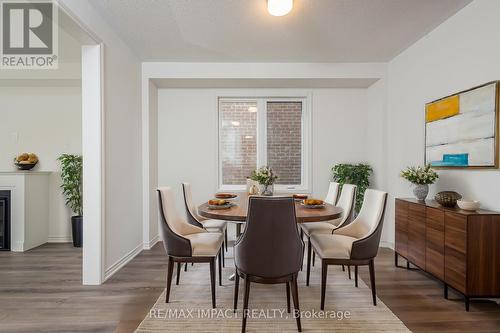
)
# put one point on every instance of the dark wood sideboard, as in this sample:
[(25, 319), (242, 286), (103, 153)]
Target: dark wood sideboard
[(459, 248)]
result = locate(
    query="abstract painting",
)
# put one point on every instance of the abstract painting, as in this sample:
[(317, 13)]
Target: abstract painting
[(461, 131)]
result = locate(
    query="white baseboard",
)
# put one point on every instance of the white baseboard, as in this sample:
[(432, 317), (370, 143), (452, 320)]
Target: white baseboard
[(390, 245), (152, 242), (17, 246), (111, 270), (60, 239)]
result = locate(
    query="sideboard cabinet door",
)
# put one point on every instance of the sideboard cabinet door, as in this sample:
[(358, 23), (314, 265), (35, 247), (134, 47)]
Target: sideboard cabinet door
[(434, 244), (455, 249), (402, 228), (416, 234)]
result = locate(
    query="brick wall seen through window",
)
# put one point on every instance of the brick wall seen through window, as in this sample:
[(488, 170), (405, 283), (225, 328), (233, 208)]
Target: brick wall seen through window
[(284, 141), (238, 140)]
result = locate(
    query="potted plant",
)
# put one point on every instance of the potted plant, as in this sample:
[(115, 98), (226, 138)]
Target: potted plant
[(266, 178), (71, 174), (421, 177), (356, 174)]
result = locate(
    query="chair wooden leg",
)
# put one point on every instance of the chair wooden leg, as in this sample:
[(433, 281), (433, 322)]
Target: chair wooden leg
[(308, 268), (324, 272), (343, 268), (186, 266), (212, 280), (288, 297), (225, 238), (349, 271), (170, 272), (223, 257), (372, 281), (220, 266), (295, 295), (356, 276), (236, 290), (314, 258), (178, 273), (245, 305)]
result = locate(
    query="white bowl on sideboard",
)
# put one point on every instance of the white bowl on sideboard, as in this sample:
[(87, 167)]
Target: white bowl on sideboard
[(469, 204)]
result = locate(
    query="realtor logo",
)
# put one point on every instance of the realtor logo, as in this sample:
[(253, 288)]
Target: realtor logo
[(29, 37)]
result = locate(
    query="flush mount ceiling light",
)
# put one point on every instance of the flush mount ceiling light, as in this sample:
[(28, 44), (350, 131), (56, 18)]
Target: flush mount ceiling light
[(279, 7)]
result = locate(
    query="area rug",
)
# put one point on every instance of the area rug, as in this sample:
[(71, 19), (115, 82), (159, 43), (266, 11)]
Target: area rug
[(347, 308)]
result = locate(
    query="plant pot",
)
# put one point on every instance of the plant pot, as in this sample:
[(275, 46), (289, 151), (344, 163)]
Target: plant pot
[(420, 191), (77, 230)]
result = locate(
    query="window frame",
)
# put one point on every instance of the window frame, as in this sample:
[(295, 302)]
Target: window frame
[(262, 97)]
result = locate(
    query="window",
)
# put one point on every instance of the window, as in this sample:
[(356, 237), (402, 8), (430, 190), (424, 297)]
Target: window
[(254, 132)]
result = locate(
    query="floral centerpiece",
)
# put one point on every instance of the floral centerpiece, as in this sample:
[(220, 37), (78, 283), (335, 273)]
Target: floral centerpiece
[(421, 177), (266, 177)]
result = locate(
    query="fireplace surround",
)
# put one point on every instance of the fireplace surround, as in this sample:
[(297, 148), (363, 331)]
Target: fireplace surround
[(4, 220)]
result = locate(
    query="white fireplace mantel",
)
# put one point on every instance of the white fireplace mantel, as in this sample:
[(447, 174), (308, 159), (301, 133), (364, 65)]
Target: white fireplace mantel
[(29, 195)]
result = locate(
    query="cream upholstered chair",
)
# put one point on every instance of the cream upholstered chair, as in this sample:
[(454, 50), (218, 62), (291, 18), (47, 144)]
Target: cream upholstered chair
[(333, 193), (331, 198), (184, 242), (347, 201), (194, 218), (355, 244)]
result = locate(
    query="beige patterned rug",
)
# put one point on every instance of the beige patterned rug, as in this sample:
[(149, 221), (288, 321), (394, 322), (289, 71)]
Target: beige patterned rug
[(347, 308)]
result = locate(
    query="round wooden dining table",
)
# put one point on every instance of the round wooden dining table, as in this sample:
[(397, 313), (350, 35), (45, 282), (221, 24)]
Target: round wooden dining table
[(238, 213)]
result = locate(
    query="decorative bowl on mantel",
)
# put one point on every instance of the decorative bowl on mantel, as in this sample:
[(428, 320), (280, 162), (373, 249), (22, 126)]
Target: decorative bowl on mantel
[(26, 161), (447, 198)]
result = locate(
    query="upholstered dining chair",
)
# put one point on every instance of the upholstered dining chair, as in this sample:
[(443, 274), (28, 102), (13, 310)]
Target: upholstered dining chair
[(355, 244), (347, 201), (331, 198), (211, 225), (185, 242), (270, 250)]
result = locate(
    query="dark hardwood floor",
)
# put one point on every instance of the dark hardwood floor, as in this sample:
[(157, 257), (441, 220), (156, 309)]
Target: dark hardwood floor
[(41, 291)]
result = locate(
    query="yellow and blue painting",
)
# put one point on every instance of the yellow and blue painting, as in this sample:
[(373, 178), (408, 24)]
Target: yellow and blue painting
[(461, 129)]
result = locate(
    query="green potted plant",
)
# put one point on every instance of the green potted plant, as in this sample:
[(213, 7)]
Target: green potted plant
[(265, 177), (71, 175), (421, 177), (356, 174)]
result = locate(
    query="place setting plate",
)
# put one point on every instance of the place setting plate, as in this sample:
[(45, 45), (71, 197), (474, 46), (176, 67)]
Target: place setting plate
[(214, 206), (312, 204), (225, 196)]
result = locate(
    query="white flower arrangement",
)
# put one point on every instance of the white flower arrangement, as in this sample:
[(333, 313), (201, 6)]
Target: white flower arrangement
[(420, 175)]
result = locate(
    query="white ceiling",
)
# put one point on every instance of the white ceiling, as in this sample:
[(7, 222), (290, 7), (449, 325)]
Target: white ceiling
[(243, 31)]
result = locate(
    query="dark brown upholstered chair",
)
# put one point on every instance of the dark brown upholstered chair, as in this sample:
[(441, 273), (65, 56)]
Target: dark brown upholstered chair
[(270, 250), (355, 244), (185, 243)]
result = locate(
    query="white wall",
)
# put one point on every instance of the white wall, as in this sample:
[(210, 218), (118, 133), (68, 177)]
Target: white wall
[(187, 137), (46, 121), (122, 136), (459, 54)]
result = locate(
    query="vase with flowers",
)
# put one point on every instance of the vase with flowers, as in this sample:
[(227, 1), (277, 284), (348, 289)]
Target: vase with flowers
[(420, 177), (266, 177)]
